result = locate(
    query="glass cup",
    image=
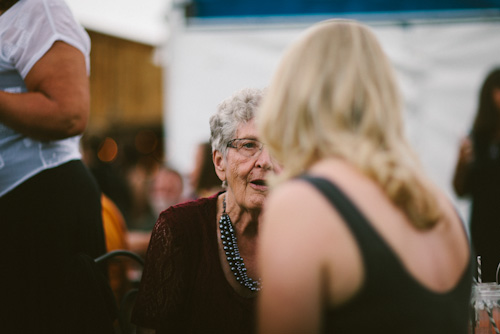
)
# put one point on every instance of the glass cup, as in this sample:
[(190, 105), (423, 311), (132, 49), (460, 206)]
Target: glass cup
[(485, 309)]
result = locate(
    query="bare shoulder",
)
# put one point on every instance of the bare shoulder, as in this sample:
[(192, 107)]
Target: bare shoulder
[(289, 194), (298, 214), (304, 240), (297, 209), (295, 206), (450, 214), (452, 226)]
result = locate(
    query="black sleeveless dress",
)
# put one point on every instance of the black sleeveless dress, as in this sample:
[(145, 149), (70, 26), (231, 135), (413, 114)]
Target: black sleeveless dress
[(391, 300)]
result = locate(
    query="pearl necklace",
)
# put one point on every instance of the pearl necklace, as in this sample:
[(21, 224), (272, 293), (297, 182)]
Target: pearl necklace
[(230, 246)]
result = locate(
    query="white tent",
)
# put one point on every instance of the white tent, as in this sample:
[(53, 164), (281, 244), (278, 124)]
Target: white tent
[(440, 65)]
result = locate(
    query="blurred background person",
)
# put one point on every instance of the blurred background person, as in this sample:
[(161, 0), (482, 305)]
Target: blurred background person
[(49, 202), (477, 175), (164, 189), (142, 189), (203, 179), (115, 231), (200, 274), (97, 153), (355, 238)]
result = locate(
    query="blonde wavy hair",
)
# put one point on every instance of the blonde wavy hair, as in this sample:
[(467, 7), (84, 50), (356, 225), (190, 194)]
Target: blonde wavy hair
[(335, 95)]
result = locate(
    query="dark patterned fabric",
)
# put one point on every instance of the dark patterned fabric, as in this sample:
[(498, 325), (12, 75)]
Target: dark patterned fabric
[(183, 287)]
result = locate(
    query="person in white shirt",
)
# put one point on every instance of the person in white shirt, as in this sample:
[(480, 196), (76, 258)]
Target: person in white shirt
[(50, 207)]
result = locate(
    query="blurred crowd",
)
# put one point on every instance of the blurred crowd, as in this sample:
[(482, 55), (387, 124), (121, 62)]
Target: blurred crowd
[(138, 183)]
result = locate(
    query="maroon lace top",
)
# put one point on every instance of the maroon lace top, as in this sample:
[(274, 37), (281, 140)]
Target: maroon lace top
[(183, 288)]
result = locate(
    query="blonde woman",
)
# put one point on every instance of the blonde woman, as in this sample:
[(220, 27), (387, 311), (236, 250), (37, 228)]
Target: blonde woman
[(355, 238)]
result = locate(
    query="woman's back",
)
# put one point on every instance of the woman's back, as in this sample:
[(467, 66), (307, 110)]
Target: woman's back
[(390, 242), (385, 263)]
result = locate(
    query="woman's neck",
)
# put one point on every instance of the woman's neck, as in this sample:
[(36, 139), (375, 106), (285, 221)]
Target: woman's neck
[(245, 222)]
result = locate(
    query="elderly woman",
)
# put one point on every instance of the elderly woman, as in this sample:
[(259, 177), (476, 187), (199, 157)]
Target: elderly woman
[(200, 274), (355, 239)]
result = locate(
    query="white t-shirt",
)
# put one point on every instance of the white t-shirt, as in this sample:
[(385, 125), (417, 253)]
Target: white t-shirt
[(27, 31)]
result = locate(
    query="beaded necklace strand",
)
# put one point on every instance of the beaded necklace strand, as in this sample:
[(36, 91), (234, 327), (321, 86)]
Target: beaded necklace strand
[(230, 246)]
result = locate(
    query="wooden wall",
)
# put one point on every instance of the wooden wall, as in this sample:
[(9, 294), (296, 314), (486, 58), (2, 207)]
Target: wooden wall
[(126, 86)]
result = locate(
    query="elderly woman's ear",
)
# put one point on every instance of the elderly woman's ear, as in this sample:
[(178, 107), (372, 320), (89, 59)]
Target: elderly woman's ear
[(220, 165)]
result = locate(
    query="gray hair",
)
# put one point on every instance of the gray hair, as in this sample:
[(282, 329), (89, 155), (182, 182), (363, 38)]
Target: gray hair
[(238, 109)]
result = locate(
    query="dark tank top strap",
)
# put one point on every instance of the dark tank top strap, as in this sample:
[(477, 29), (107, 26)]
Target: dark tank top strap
[(356, 221), (375, 252), (386, 279)]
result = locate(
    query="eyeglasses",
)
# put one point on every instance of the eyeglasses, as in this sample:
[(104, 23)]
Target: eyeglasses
[(245, 146)]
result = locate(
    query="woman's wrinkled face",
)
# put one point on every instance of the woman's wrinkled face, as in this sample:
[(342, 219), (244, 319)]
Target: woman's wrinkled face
[(246, 175)]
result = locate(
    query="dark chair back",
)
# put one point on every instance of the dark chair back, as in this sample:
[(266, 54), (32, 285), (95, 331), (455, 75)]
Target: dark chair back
[(126, 304)]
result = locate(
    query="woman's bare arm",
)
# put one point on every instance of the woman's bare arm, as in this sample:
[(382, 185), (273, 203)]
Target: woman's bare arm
[(57, 103), (291, 298)]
